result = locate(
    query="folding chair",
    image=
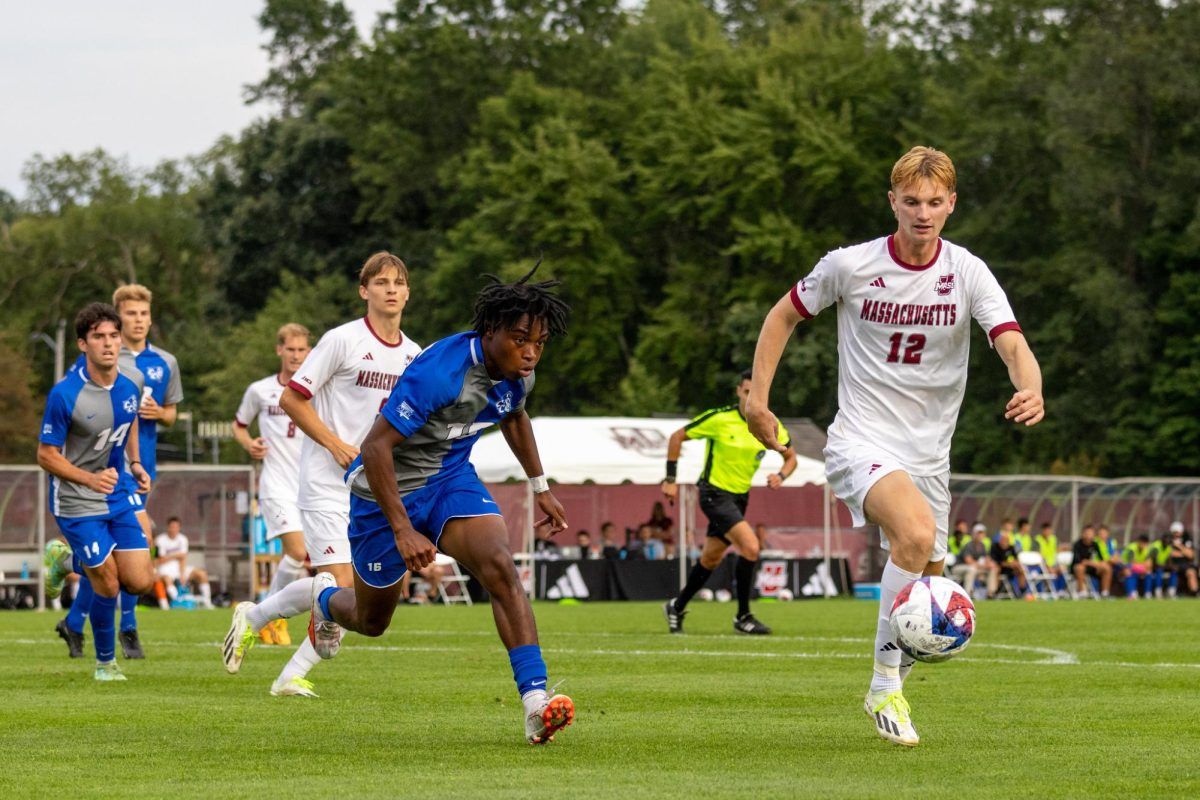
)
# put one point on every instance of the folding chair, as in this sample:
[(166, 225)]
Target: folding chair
[(1037, 575), (452, 574), (1064, 562), (1004, 588)]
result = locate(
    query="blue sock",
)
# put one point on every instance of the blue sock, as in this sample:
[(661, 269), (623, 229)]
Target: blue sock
[(128, 607), (104, 627), (529, 670), (323, 600), (81, 605)]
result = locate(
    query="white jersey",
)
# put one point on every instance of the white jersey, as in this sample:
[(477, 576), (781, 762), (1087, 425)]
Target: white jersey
[(168, 547), (348, 376), (903, 339), (280, 477)]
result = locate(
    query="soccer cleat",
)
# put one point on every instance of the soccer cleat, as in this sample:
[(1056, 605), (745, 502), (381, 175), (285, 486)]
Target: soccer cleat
[(57, 561), (325, 634), (674, 618), (74, 640), (239, 639), (296, 687), (267, 634), (108, 671), (541, 725), (131, 645), (891, 714), (748, 624), (282, 636)]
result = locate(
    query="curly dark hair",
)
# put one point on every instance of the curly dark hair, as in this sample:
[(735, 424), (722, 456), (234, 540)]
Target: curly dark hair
[(92, 315), (501, 305)]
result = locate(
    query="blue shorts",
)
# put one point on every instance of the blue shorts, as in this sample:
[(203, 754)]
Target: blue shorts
[(93, 538), (372, 543)]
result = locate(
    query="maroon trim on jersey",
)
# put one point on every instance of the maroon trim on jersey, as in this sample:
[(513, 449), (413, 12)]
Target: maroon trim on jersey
[(239, 423), (279, 379), (1004, 327), (380, 338), (913, 267), (799, 304), (303, 390)]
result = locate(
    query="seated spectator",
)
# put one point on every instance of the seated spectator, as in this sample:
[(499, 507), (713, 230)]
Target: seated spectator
[(1086, 561), (653, 548), (171, 564), (960, 537), (1046, 543), (608, 544), (662, 525), (1006, 526), (973, 559), (432, 576), (586, 549), (1110, 551), (1007, 566), (633, 546), (1182, 558), (1139, 558), (1023, 538)]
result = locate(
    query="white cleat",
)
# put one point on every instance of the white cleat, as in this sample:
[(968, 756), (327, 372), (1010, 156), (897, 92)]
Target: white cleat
[(891, 714), (325, 634), (241, 637), (556, 714), (296, 687)]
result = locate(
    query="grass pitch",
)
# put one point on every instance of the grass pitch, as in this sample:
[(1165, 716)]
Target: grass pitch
[(1068, 699)]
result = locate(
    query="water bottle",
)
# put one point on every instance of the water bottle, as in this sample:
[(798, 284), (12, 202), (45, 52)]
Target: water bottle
[(24, 570)]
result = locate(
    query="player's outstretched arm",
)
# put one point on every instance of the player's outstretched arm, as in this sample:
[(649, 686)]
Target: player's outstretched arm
[(518, 432), (1026, 405), (417, 551), (300, 409), (777, 328)]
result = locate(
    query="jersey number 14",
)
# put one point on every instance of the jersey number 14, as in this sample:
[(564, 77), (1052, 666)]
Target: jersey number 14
[(109, 436)]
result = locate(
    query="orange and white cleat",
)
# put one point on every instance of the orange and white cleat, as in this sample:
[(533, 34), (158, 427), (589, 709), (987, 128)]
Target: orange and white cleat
[(541, 725), (267, 634)]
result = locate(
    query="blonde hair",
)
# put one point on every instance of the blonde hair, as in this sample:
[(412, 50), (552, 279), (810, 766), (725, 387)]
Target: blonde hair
[(377, 263), (924, 163), (131, 291), (290, 330)]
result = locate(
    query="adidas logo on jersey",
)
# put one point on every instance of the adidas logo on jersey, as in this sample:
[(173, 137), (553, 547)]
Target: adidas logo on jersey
[(874, 467), (878, 283), (569, 585), (328, 551), (368, 357)]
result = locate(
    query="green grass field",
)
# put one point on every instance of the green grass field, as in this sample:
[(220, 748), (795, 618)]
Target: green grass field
[(1070, 699)]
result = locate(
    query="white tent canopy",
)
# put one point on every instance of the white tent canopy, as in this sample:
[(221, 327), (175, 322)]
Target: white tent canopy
[(613, 450)]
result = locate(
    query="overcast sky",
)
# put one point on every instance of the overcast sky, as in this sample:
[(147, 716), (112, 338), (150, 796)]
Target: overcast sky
[(145, 80)]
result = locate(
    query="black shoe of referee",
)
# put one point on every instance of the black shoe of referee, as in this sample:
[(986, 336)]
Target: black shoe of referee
[(748, 624), (674, 618), (74, 640), (131, 645)]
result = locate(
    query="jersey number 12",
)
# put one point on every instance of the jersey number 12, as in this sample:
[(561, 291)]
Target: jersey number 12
[(912, 352)]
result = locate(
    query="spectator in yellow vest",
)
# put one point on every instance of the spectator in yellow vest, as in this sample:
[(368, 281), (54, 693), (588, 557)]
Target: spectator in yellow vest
[(1139, 558)]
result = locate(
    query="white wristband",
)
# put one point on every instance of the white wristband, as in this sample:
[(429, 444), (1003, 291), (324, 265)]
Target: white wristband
[(539, 484)]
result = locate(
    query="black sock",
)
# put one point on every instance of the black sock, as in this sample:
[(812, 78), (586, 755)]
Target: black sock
[(696, 580), (743, 571)]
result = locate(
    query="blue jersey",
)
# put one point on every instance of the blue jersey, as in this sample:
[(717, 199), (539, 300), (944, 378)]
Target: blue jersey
[(90, 423), (160, 380), (441, 404)]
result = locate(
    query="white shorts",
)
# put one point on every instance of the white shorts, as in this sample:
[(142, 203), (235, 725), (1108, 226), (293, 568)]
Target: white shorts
[(281, 516), (326, 536), (852, 469), (170, 571)]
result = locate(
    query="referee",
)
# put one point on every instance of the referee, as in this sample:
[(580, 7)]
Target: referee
[(729, 465)]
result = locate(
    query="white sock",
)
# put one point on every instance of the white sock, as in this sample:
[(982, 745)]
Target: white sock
[(303, 660), (206, 593), (289, 570), (172, 592), (886, 674), (534, 700), (56, 604), (163, 604), (291, 600)]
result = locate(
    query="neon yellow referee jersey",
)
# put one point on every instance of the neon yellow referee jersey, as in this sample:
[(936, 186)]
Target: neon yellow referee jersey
[(733, 453)]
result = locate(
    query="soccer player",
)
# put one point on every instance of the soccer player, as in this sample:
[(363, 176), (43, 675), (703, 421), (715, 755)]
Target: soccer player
[(733, 455), (170, 563), (162, 390), (333, 398), (414, 491), (90, 426), (278, 446), (904, 305)]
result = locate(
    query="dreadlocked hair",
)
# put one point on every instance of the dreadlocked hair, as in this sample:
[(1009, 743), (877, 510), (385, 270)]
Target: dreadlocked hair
[(501, 305)]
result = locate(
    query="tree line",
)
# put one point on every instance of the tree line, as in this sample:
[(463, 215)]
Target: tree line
[(678, 166)]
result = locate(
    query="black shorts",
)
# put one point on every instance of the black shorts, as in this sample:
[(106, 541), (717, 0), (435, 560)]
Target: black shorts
[(723, 509), (1182, 565)]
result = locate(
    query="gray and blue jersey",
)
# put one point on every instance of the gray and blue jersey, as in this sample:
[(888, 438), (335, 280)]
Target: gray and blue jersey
[(159, 379), (89, 423), (443, 401)]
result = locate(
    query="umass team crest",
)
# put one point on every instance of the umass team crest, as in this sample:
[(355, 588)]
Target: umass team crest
[(945, 285)]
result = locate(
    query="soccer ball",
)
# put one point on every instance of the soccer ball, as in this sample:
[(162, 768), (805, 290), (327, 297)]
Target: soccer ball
[(785, 595), (933, 619), (705, 594), (723, 595)]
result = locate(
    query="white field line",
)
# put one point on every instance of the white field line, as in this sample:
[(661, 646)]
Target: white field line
[(1052, 657)]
